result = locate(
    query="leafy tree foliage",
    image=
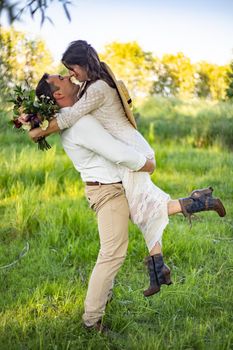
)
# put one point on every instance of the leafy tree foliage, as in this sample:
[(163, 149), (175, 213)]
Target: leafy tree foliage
[(181, 74), (21, 59), (202, 86), (14, 10), (229, 82), (172, 75), (131, 64), (163, 84), (211, 81)]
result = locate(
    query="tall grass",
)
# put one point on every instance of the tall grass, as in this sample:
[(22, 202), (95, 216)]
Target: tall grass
[(42, 202), (197, 123)]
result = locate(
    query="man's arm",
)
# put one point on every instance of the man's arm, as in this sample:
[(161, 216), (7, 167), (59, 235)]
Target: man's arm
[(89, 133)]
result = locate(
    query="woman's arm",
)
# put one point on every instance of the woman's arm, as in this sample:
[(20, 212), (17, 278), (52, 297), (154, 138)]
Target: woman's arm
[(36, 133)]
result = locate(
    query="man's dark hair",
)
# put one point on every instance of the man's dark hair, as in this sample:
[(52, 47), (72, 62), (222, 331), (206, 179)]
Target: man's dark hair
[(45, 89)]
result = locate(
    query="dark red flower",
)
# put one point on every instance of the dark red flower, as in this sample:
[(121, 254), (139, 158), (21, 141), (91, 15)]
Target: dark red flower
[(17, 123)]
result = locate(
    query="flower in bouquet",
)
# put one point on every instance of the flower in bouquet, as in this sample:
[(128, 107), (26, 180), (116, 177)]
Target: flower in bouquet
[(31, 112)]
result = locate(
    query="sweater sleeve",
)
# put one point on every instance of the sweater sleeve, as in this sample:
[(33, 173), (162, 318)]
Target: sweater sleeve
[(92, 99)]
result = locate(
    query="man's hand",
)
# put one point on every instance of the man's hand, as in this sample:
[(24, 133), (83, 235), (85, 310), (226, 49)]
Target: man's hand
[(149, 166)]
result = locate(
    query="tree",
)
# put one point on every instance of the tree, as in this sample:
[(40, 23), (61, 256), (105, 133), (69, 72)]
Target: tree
[(131, 64), (21, 59), (14, 10), (164, 83), (211, 81), (177, 76), (229, 82), (202, 80), (174, 76), (181, 73)]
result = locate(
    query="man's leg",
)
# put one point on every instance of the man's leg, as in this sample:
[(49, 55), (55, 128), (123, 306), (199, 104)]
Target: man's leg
[(111, 206)]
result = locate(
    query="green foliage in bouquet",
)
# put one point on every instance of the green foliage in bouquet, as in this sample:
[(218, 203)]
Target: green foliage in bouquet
[(29, 112)]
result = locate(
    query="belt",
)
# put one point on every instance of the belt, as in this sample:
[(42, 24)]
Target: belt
[(96, 183)]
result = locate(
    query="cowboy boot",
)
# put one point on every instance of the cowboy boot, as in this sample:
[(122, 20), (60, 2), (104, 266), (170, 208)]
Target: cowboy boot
[(98, 327), (159, 273), (205, 191), (201, 200), (154, 283)]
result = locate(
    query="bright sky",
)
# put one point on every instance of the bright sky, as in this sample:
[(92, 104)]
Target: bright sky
[(201, 29)]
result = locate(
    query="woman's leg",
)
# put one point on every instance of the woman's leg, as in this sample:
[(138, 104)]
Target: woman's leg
[(199, 200), (174, 207), (159, 272)]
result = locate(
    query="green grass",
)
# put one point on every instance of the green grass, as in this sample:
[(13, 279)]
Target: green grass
[(197, 123), (42, 202)]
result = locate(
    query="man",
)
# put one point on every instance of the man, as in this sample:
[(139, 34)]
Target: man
[(85, 143)]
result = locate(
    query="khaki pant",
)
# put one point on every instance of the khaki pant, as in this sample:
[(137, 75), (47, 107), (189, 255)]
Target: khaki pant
[(111, 207)]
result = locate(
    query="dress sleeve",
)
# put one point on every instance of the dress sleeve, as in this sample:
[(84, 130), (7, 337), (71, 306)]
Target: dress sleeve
[(92, 99)]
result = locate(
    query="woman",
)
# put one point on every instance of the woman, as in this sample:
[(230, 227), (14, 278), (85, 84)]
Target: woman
[(149, 206)]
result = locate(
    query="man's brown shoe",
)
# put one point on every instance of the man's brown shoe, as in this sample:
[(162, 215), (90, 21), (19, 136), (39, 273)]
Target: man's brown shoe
[(98, 327)]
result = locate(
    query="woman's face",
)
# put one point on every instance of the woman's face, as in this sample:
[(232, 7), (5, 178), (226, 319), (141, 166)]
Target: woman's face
[(78, 72)]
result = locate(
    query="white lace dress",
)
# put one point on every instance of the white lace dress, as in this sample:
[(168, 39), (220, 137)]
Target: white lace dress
[(147, 202)]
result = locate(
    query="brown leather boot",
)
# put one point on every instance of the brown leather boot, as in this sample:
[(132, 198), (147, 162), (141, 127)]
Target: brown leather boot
[(159, 273), (98, 327), (201, 200)]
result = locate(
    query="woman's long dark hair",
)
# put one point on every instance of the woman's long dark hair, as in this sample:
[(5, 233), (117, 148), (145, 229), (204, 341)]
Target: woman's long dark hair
[(83, 54)]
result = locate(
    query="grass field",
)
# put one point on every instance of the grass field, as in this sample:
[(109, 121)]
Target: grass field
[(45, 216)]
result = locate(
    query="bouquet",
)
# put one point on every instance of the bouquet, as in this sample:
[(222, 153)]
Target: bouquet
[(29, 112)]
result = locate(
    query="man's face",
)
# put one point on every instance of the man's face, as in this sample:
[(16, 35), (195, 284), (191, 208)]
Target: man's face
[(63, 85)]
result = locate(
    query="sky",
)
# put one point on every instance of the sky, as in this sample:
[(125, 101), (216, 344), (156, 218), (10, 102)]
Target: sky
[(201, 29)]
